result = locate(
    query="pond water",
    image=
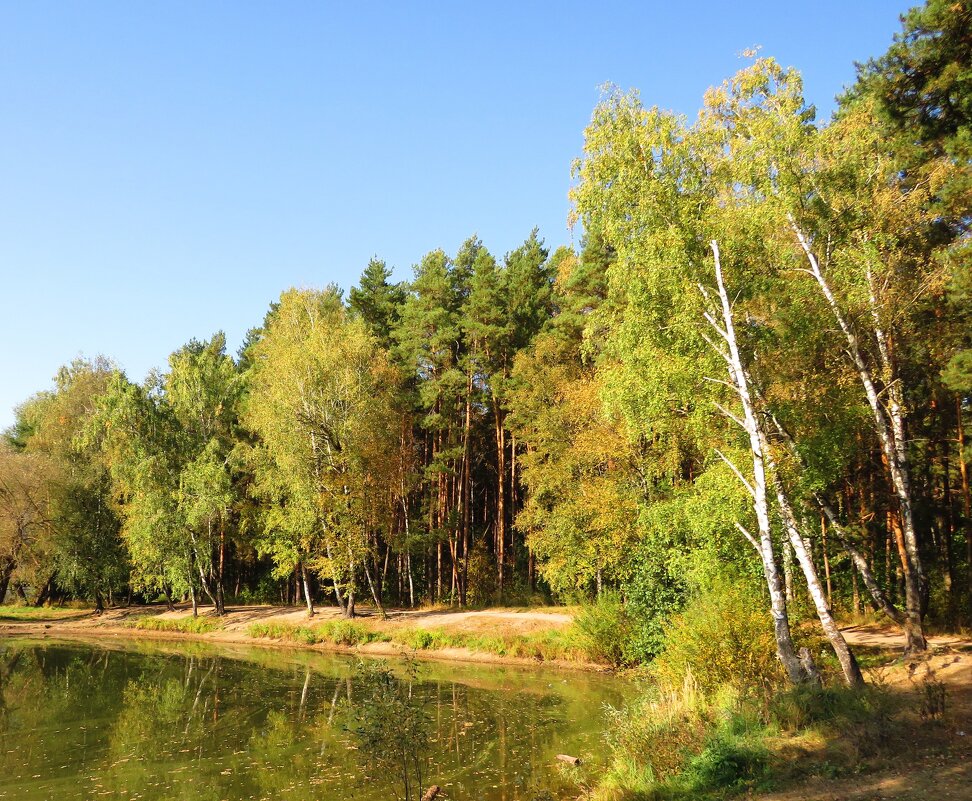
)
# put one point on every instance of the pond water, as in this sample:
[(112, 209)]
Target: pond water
[(190, 721)]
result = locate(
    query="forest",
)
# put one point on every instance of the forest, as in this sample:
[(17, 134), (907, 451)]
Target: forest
[(752, 376)]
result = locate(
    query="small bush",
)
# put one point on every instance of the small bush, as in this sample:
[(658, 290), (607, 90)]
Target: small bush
[(722, 639), (426, 639), (931, 700), (728, 761), (603, 630), (347, 632), (338, 632)]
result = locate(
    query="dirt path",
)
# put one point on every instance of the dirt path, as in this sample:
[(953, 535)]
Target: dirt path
[(936, 765)]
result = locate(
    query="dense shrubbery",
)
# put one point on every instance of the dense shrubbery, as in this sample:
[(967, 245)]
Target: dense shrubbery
[(717, 702), (720, 640), (604, 630)]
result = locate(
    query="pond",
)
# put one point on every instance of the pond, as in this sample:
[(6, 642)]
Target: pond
[(128, 720)]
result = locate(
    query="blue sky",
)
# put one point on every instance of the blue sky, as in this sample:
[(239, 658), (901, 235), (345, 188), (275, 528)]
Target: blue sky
[(166, 169)]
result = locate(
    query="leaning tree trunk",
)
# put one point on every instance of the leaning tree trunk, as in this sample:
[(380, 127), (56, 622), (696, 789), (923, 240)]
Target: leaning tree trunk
[(375, 596), (880, 599), (877, 594), (45, 592), (797, 671), (167, 592), (848, 664), (890, 430), (6, 571), (202, 574)]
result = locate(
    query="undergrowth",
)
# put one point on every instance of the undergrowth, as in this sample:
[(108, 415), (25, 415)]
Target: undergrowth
[(718, 719)]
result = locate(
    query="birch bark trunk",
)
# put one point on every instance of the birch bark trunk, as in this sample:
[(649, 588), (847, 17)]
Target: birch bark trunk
[(797, 672), (848, 664), (881, 601), (889, 426), (307, 593)]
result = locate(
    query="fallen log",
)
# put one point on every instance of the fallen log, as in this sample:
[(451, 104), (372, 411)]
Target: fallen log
[(570, 760), (431, 793)]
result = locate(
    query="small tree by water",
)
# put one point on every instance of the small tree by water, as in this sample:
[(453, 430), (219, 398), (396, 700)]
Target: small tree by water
[(391, 724)]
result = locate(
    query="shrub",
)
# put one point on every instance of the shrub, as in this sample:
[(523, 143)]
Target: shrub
[(425, 639), (862, 717), (722, 638), (727, 761), (347, 632), (603, 630), (653, 593)]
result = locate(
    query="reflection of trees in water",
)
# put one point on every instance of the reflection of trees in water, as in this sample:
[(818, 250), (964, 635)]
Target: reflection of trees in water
[(200, 727)]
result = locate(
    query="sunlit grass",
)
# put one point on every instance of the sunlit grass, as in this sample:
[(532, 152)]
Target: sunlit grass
[(541, 646), (38, 612), (185, 625)]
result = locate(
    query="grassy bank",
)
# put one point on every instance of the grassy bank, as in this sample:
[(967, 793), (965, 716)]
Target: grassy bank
[(516, 635), (185, 625), (549, 645)]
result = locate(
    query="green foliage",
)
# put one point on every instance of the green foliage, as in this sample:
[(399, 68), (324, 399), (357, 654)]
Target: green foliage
[(653, 592), (82, 550), (605, 629), (393, 725), (727, 761), (679, 744), (320, 403), (721, 639)]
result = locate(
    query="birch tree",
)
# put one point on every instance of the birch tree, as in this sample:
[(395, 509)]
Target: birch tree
[(320, 402)]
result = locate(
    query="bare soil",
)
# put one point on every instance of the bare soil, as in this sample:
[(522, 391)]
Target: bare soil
[(934, 761)]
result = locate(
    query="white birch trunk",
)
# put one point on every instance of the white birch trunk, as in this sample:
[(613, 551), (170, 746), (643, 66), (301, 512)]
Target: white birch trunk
[(848, 664), (890, 430), (796, 671)]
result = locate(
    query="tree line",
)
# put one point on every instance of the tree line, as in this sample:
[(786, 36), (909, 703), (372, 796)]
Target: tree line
[(757, 364)]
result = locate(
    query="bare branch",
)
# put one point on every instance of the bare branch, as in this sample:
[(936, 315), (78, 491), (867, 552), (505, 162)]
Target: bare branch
[(735, 470), (739, 422), (750, 537), (717, 349)]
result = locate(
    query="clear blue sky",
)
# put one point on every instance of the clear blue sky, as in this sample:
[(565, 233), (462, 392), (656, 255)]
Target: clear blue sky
[(166, 169)]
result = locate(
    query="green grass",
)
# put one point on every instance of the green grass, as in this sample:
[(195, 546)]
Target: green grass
[(336, 632), (38, 612), (185, 625), (683, 745), (542, 646)]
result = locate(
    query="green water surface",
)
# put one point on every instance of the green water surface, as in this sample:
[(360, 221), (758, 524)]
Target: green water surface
[(131, 720)]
